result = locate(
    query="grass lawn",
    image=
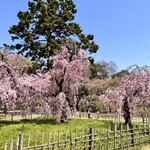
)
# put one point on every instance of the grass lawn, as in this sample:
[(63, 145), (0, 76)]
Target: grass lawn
[(10, 130), (39, 131)]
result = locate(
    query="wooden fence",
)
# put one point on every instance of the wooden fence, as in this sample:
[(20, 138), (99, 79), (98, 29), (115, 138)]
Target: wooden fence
[(93, 138), (18, 115), (111, 117)]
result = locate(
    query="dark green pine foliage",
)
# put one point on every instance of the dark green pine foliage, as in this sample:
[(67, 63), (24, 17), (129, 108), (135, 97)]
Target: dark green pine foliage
[(45, 27)]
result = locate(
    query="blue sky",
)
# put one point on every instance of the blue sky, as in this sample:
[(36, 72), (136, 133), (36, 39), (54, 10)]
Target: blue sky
[(121, 27)]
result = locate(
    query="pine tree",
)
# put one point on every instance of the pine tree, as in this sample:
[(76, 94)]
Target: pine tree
[(45, 27)]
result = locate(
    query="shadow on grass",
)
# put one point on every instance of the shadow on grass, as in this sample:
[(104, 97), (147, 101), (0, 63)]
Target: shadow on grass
[(26, 121), (51, 121)]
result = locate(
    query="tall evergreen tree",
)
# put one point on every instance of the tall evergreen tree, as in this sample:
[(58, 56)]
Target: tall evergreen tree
[(45, 27)]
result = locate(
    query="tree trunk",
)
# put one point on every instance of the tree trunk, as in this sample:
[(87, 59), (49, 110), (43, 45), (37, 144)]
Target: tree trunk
[(127, 117), (127, 113), (5, 110), (143, 118)]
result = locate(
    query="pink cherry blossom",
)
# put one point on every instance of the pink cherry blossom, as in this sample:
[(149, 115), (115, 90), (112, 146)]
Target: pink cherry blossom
[(133, 92), (53, 92)]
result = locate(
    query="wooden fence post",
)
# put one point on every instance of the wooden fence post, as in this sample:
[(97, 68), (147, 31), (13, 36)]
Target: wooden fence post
[(115, 136), (149, 130), (97, 115), (58, 140), (28, 143), (146, 118), (19, 142), (71, 144), (49, 140), (90, 138), (128, 135), (139, 132), (108, 137), (121, 136), (11, 144), (5, 146), (12, 116), (133, 133), (80, 115)]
